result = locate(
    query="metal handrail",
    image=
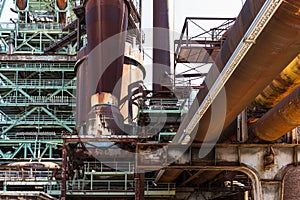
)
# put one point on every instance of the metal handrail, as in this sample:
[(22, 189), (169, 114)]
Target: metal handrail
[(189, 39)]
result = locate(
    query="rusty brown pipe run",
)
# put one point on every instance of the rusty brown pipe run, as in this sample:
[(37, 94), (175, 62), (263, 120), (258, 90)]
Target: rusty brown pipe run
[(281, 119), (21, 4), (276, 46), (161, 45), (287, 81), (106, 19)]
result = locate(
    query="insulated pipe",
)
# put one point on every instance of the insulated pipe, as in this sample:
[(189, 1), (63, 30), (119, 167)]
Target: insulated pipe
[(287, 81), (276, 46), (161, 45), (281, 119)]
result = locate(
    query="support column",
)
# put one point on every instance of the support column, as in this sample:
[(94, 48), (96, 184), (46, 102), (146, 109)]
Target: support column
[(139, 186), (161, 45), (64, 172)]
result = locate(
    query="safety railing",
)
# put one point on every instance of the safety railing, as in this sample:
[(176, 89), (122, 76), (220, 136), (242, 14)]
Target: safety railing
[(110, 185), (194, 33), (102, 185), (40, 26), (5, 26), (36, 118), (41, 82), (33, 135), (37, 100), (36, 66), (28, 175), (127, 167)]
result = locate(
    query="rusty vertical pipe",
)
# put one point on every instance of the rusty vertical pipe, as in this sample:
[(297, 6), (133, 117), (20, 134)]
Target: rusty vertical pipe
[(281, 119), (21, 4), (64, 172), (106, 20), (106, 26), (62, 5), (161, 45)]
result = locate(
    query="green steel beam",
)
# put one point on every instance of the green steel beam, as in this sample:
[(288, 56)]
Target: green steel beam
[(15, 86), (17, 150), (2, 4), (62, 89), (16, 121), (28, 146), (59, 121)]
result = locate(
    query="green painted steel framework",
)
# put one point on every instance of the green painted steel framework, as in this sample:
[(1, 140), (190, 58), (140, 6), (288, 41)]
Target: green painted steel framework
[(37, 91)]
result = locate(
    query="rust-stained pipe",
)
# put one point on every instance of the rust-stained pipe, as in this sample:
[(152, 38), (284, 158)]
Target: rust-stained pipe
[(161, 45), (100, 75), (62, 4), (21, 4), (276, 46), (106, 19), (281, 119), (287, 81)]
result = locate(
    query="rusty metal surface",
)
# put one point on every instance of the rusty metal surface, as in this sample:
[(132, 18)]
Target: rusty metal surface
[(22, 4), (82, 105), (277, 45), (170, 176), (105, 120), (161, 44), (62, 4), (287, 81), (196, 55), (291, 185), (139, 186), (281, 119), (64, 172), (105, 19)]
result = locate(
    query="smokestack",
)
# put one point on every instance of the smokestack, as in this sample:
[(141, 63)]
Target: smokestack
[(107, 20), (161, 45), (106, 23)]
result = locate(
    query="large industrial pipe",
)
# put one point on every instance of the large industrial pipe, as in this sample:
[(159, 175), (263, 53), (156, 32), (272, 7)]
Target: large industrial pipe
[(276, 46), (287, 81), (281, 119), (100, 74), (106, 20), (161, 45)]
